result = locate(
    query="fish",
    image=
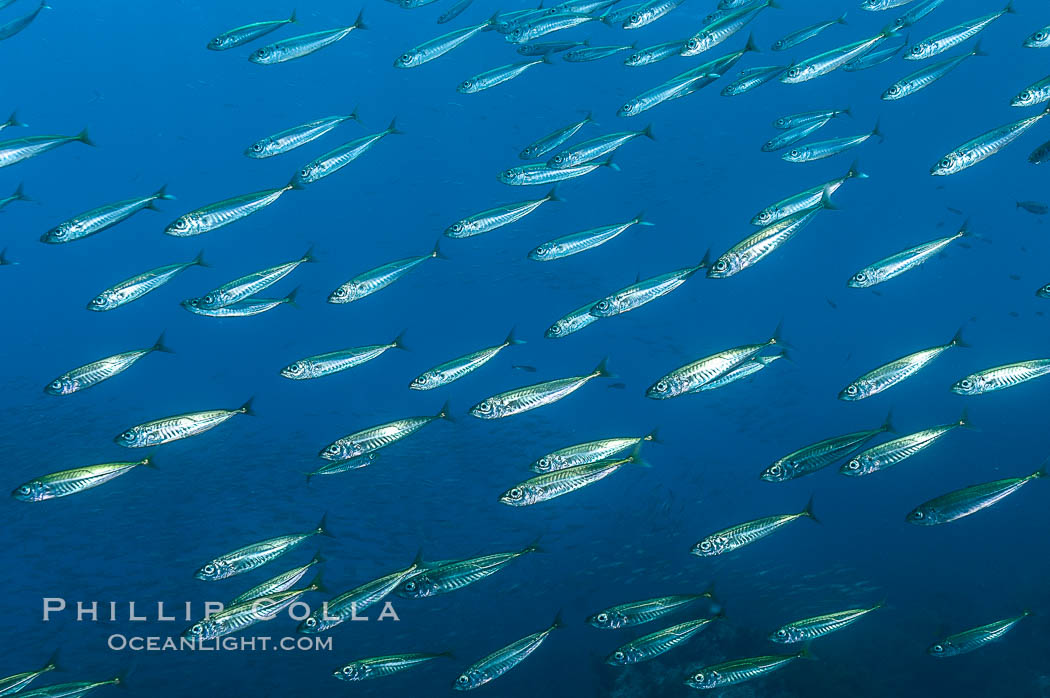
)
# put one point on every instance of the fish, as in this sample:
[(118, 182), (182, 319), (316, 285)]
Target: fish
[(888, 375), (741, 670), (873, 58), (572, 322), (969, 500), (498, 76), (595, 148), (222, 213), (1036, 93), (1040, 154), (809, 629), (541, 47), (1038, 39), (792, 135), (139, 285), (296, 136), (374, 438), (593, 53), (250, 557), (240, 617), (15, 151), (453, 370), (168, 429), (825, 149), (655, 54), (568, 245), (497, 217), (531, 175), (1034, 207), (917, 12), (662, 93), (880, 5), (889, 454), (793, 121), (522, 367), (503, 660), (829, 61), (589, 452), (641, 292), (949, 38), (435, 48), (342, 466), (924, 77), (454, 11), (584, 6), (348, 604), (984, 146), (900, 262), (13, 27), (1001, 377), (247, 33), (627, 615), (547, 25), (70, 690), (736, 537), (750, 79), (543, 488), (1044, 291), (18, 682), (275, 585), (90, 375), (550, 142), (654, 644), (797, 37), (387, 665), (338, 158), (702, 371), (245, 308), (18, 195), (457, 574), (102, 218), (706, 73), (615, 17), (766, 240), (379, 278), (67, 482), (333, 362), (809, 459), (810, 198), (301, 46), (970, 640), (530, 397), (744, 370), (718, 30), (649, 12), (12, 122), (247, 286)]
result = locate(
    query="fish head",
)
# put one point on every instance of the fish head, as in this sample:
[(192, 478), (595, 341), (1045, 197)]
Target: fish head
[(468, 680), (863, 278), (766, 215), (894, 91), (630, 108), (63, 232), (726, 265), (637, 19), (788, 633), (705, 678), (949, 164), (607, 620), (942, 649), (340, 451), (296, 370), (1038, 39), (607, 307), (212, 301), (558, 329), (261, 148), (542, 252), (184, 225), (266, 55), (132, 437), (872, 5), (220, 43), (468, 86), (105, 301), (457, 229), (489, 409), (1025, 99), (309, 173), (857, 391), (350, 291), (973, 384), (796, 73), (622, 657), (354, 671), (919, 51), (1044, 292), (409, 59), (662, 389), (781, 471), (519, 496), (548, 463), (427, 380), (922, 516), (417, 587), (561, 160), (32, 491), (799, 154), (710, 546), (63, 385), (855, 467), (317, 622), (516, 36), (198, 631), (639, 58), (216, 569), (515, 175), (698, 43)]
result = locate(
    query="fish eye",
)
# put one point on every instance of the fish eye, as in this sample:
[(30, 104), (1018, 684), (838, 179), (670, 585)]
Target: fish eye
[(405, 58), (305, 172), (946, 162), (602, 617), (24, 489), (466, 84), (634, 18), (661, 386), (705, 545), (618, 655), (410, 586), (937, 648), (721, 265), (795, 153), (60, 232), (509, 174), (853, 464), (128, 435), (860, 276), (515, 493), (56, 385), (918, 514), (348, 669), (257, 148), (851, 390), (966, 383), (209, 569), (98, 300), (463, 680), (603, 305), (699, 678), (484, 406), (310, 622), (209, 299), (794, 72), (916, 49), (774, 469), (332, 450), (781, 633), (197, 629), (457, 227), (894, 89)]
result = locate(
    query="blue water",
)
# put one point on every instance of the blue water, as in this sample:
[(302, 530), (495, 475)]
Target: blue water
[(163, 110)]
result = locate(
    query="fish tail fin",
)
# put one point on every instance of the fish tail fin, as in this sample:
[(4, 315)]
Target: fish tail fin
[(246, 408), (445, 413), (294, 183), (887, 424), (957, 340), (1009, 9), (640, 219), (317, 559), (121, 679), (317, 583), (393, 129), (149, 461), (417, 561), (964, 420), (704, 263), (808, 511), (20, 194), (806, 653), (293, 19), (399, 342), (163, 194), (354, 115), (842, 19), (552, 195), (636, 457), (447, 653), (964, 230), (653, 437), (290, 298), (1042, 472), (876, 132), (547, 58), (772, 4), (359, 23), (52, 663), (1027, 612), (825, 200), (720, 615), (854, 172), (160, 346), (778, 336), (14, 121), (84, 138), (589, 118), (751, 46), (608, 162), (558, 622), (322, 527), (533, 547), (648, 132), (511, 340), (848, 111), (436, 253), (709, 592), (308, 257), (880, 604), (977, 50), (602, 369)]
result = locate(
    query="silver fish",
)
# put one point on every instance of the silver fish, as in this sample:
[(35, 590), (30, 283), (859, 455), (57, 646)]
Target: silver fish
[(275, 585), (377, 437), (888, 375), (92, 374), (638, 612), (530, 397), (222, 213), (336, 361), (804, 118), (750, 79), (568, 245), (969, 500), (880, 5), (15, 151), (18, 195), (67, 482), (541, 47), (654, 644), (738, 536), (807, 199), (889, 454), (256, 555), (594, 53), (662, 93), (435, 48), (757, 246), (692, 376), (792, 135), (497, 217), (655, 54), (547, 25), (740, 670), (1038, 39), (589, 452), (720, 29), (1036, 93), (247, 286), (300, 46), (139, 285), (454, 11), (453, 370), (12, 121), (826, 149), (544, 145), (900, 262), (502, 660), (242, 616), (543, 488), (573, 322), (924, 77), (379, 278), (98, 219), (457, 574), (378, 667), (873, 58), (342, 466), (70, 690), (809, 459), (797, 37), (1001, 377), (649, 12), (168, 429), (809, 629), (826, 62), (6, 32), (614, 17), (296, 136), (949, 38), (916, 13), (497, 76), (970, 640), (13, 684), (532, 175), (247, 33), (338, 158), (595, 148), (245, 308), (748, 368), (641, 292)]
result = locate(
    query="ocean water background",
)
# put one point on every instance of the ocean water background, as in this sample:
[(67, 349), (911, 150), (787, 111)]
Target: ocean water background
[(163, 110)]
